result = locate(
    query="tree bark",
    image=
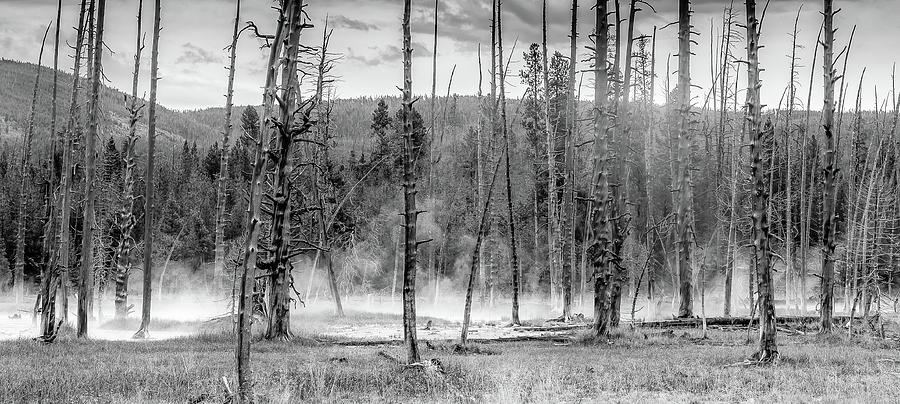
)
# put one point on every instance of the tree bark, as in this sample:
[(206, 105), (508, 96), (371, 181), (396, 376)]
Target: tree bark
[(602, 236)]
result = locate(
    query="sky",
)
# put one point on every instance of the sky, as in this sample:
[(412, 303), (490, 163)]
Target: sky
[(367, 34)]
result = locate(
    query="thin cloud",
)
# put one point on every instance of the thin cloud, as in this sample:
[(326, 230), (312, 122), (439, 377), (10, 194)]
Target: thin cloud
[(340, 21), (195, 55)]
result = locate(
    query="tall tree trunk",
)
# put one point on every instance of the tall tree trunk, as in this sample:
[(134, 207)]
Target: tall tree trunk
[(253, 224), (126, 216), (65, 210), (25, 167), (147, 289), (410, 212), (87, 248), (602, 236), (511, 218), (553, 222), (279, 283), (47, 297), (683, 214), (568, 228), (805, 202), (221, 190), (768, 350), (826, 299)]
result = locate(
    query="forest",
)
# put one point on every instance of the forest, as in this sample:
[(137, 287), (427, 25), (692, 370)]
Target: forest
[(615, 210)]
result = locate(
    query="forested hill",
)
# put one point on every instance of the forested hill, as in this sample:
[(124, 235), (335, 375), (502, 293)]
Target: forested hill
[(17, 86)]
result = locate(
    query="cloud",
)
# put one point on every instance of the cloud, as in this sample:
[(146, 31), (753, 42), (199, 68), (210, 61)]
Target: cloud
[(340, 21), (195, 55)]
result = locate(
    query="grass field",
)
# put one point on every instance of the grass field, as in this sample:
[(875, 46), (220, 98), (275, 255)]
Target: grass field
[(640, 366)]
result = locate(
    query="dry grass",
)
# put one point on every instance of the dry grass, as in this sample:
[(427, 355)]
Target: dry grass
[(634, 366)]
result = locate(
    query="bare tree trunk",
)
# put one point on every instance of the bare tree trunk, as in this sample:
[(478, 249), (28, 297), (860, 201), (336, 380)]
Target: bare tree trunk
[(410, 212), (684, 210), (602, 236), (322, 121), (789, 211), (568, 214), (805, 202), (768, 350), (87, 249), (147, 289), (19, 280), (49, 278), (553, 223), (253, 224), (514, 258), (221, 190), (126, 216), (285, 131), (828, 204), (65, 210), (476, 253)]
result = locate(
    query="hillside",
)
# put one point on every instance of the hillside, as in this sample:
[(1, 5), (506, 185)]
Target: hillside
[(16, 86)]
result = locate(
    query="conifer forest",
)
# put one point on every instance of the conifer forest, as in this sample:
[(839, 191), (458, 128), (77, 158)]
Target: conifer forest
[(449, 201)]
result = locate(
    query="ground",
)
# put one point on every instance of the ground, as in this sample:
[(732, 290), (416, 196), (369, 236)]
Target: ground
[(643, 365)]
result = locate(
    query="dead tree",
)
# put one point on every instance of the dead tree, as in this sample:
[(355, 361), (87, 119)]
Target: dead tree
[(568, 202), (410, 212), (511, 220), (476, 253), (46, 298), (683, 202), (126, 219), (147, 291), (601, 235), (323, 70), (254, 221), (826, 299), (768, 350), (552, 203), (285, 129), (806, 172), (85, 293), (65, 208), (221, 186), (19, 280)]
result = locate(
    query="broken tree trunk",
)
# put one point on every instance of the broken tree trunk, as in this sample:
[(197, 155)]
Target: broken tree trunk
[(476, 254), (19, 280)]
